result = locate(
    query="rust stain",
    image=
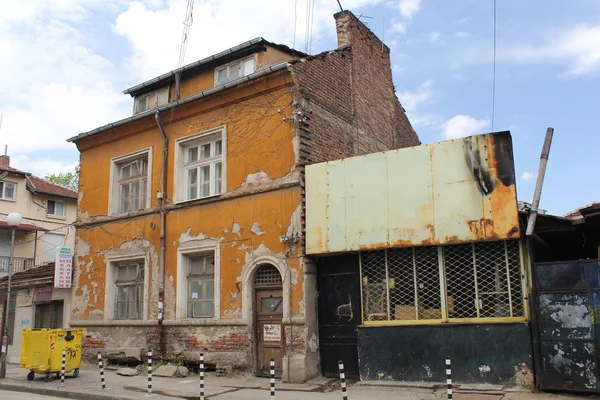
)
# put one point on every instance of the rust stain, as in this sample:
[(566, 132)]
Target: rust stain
[(503, 200)]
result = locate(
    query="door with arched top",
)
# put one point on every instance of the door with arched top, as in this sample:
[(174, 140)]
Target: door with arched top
[(268, 312)]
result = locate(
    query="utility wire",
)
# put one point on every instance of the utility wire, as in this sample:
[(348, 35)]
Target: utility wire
[(494, 72)]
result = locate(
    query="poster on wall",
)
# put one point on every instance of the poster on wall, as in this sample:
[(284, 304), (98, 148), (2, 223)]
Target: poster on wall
[(63, 269), (272, 333)]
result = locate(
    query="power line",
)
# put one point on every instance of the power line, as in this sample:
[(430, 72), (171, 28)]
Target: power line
[(494, 72)]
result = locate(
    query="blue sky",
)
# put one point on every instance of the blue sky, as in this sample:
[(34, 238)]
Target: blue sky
[(65, 63)]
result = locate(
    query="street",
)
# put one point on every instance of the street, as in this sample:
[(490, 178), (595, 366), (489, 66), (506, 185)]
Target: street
[(6, 395)]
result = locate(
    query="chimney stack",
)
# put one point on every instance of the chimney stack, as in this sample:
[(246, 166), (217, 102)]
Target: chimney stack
[(351, 31), (4, 161)]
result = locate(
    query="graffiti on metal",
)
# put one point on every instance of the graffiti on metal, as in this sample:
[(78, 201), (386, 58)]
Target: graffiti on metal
[(449, 192)]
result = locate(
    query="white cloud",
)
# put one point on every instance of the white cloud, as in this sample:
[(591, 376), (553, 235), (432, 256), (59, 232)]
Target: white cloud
[(434, 36), (410, 100), (399, 27), (578, 47), (226, 23), (408, 8), (527, 176), (41, 167), (463, 125), (460, 34)]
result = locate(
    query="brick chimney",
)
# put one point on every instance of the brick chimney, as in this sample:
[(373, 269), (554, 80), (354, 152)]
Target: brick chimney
[(4, 161), (351, 31)]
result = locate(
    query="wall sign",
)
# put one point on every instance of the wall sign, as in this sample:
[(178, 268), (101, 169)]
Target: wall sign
[(272, 333), (63, 269)]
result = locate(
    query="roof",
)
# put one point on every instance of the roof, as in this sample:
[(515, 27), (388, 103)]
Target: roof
[(578, 213), (168, 106), (22, 227), (37, 273), (232, 53), (13, 170), (39, 185)]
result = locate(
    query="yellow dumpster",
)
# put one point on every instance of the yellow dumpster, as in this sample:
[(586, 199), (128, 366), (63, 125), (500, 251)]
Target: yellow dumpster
[(41, 351)]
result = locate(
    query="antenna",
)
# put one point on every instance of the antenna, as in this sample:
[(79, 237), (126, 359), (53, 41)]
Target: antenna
[(340, 4)]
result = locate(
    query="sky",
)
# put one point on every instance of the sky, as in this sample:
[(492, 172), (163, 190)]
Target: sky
[(65, 63)]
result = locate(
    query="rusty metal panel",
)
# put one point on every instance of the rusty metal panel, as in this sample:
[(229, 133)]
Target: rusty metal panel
[(316, 209), (411, 203), (448, 192), (366, 201), (336, 207)]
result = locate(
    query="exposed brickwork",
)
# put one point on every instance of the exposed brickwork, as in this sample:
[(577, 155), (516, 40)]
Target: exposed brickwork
[(348, 99), (4, 161)]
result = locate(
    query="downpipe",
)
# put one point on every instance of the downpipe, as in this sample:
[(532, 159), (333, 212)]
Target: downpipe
[(163, 223), (537, 194)]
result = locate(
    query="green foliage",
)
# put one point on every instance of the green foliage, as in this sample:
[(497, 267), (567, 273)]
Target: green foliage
[(68, 179)]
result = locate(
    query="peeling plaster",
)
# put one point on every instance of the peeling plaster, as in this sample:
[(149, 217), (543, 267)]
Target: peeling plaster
[(313, 343), (256, 179), (256, 229), (571, 316), (235, 228)]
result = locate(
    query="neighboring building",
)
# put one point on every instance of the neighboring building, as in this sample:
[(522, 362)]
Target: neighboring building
[(421, 254), (190, 227), (35, 303), (48, 212)]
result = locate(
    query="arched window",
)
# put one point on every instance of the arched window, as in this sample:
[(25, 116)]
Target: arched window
[(267, 275)]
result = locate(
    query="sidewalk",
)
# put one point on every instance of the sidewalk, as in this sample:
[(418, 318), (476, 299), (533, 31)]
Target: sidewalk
[(87, 386)]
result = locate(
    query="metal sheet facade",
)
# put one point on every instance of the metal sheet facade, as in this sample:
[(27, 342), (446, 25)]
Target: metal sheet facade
[(448, 192)]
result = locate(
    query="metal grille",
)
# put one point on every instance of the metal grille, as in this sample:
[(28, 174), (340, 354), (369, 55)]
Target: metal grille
[(480, 280), (267, 275)]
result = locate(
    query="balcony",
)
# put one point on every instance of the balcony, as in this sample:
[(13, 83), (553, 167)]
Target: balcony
[(19, 264)]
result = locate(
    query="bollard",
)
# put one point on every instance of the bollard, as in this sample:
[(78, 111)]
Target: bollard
[(101, 368), (272, 365), (63, 366), (343, 380), (149, 371), (449, 378), (201, 373)]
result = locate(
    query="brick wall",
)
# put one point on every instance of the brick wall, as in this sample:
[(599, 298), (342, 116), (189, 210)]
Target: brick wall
[(347, 98)]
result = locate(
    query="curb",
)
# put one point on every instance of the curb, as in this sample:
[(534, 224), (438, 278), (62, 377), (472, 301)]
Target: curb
[(61, 393)]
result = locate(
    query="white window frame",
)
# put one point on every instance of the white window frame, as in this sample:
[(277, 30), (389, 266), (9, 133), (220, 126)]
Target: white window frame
[(152, 100), (228, 66), (3, 191), (54, 215), (181, 174), (114, 189), (184, 253), (110, 285)]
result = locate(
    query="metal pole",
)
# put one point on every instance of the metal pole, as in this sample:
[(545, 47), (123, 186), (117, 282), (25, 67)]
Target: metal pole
[(7, 308), (149, 371), (201, 372), (540, 181), (449, 378), (101, 368), (272, 364), (343, 380), (63, 366)]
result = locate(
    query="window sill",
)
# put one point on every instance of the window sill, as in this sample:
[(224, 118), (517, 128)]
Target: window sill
[(114, 322), (129, 214), (56, 217), (214, 196), (205, 322), (476, 321), (11, 200)]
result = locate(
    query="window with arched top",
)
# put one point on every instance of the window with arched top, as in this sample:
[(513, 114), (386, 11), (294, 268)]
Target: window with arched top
[(267, 275)]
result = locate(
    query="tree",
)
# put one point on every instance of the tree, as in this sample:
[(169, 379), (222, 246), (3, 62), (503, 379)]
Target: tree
[(69, 179)]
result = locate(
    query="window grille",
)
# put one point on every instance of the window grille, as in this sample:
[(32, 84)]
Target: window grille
[(267, 275), (446, 283)]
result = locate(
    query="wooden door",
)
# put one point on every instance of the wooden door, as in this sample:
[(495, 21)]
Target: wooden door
[(269, 329)]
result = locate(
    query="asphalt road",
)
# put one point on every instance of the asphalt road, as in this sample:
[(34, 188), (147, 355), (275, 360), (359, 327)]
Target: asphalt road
[(4, 395)]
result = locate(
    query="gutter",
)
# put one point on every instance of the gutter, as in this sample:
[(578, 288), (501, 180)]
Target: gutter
[(163, 219), (165, 107)]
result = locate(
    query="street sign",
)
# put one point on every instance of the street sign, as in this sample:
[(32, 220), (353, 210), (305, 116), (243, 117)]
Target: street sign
[(63, 268)]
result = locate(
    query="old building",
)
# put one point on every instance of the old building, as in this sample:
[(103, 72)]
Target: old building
[(48, 212), (191, 212)]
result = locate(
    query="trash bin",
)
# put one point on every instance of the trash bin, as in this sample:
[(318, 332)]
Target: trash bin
[(41, 351)]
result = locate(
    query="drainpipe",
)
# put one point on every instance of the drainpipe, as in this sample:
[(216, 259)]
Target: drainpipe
[(540, 181), (163, 220)]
